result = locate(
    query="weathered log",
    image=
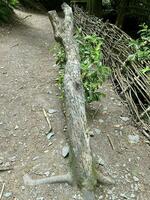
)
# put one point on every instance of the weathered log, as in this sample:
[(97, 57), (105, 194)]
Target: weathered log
[(83, 169), (82, 165)]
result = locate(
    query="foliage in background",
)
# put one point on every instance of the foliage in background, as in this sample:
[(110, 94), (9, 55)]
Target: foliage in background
[(93, 72), (6, 9), (142, 47)]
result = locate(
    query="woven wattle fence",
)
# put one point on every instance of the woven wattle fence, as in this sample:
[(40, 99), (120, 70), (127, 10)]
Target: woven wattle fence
[(132, 85)]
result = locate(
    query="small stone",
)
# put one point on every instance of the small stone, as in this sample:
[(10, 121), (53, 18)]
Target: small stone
[(124, 196), (91, 133), (117, 125), (125, 119), (40, 198), (101, 121), (46, 151), (7, 164), (132, 195), (23, 187), (65, 151), (133, 139), (7, 194), (97, 131), (35, 158), (52, 111), (50, 143), (135, 179), (12, 159), (100, 197), (47, 173), (49, 92), (101, 161), (109, 192), (16, 127), (50, 135)]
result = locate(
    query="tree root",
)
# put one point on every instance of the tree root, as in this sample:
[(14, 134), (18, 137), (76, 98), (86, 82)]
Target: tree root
[(67, 178)]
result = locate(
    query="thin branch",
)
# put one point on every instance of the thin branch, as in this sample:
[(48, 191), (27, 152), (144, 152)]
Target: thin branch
[(1, 194), (47, 119), (110, 141)]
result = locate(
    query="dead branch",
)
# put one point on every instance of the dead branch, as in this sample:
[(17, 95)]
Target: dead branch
[(47, 119), (1, 194)]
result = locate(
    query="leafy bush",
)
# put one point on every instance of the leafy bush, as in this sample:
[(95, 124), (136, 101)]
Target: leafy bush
[(141, 47), (93, 72), (6, 9)]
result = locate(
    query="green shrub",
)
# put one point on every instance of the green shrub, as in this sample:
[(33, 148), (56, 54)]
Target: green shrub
[(141, 47), (93, 72), (6, 9)]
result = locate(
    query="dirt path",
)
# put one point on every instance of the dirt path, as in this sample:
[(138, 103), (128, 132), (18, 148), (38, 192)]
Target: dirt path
[(27, 85)]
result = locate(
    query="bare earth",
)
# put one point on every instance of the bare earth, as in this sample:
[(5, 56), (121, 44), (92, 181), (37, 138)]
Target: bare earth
[(27, 85)]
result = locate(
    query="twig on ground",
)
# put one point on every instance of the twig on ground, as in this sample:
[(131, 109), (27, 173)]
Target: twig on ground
[(111, 143), (15, 45), (146, 134), (47, 119), (1, 194), (26, 17), (5, 169), (96, 111)]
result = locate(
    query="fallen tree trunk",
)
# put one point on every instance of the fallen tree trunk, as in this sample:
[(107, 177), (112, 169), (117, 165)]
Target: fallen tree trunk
[(83, 169), (82, 165)]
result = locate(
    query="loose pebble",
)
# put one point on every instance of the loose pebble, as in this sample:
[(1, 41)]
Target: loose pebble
[(35, 158), (7, 194), (16, 127), (135, 179), (50, 135), (97, 131), (52, 111), (101, 121), (65, 151), (101, 161), (125, 119), (40, 198), (133, 139)]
